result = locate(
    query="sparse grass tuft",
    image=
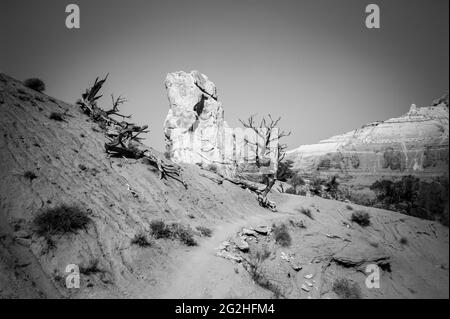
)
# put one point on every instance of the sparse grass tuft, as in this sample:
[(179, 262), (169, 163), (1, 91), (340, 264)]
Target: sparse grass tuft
[(63, 219), (141, 240), (184, 234), (160, 229), (91, 268), (361, 217), (56, 116), (35, 84), (204, 231), (256, 270), (281, 235), (403, 241), (29, 175), (346, 289), (305, 211)]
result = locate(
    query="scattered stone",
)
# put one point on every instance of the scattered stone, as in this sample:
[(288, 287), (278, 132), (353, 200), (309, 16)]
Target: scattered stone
[(296, 266), (242, 245), (308, 283), (263, 230), (224, 245), (227, 255), (309, 276), (286, 257), (305, 288), (248, 232)]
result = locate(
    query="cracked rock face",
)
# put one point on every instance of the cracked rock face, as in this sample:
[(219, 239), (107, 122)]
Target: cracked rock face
[(196, 132)]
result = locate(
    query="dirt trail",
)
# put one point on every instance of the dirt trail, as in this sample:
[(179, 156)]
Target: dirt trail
[(204, 275)]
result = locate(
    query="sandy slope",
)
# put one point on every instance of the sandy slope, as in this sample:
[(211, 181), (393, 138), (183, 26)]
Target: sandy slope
[(54, 151)]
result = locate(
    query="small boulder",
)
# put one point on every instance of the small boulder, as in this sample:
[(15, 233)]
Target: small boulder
[(242, 245), (263, 230), (296, 266), (248, 232), (227, 255), (305, 288)]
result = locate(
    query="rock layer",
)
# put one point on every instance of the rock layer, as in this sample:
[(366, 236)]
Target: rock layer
[(413, 144)]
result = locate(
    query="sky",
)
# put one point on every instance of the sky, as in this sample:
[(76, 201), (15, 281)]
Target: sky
[(312, 62)]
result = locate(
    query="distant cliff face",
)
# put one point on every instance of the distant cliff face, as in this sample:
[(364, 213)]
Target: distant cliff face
[(196, 132), (413, 144)]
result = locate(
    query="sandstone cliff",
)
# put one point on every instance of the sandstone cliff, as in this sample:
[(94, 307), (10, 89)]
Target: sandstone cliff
[(413, 144)]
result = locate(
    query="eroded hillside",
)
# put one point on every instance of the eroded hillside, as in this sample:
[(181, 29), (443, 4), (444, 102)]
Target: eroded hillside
[(48, 160)]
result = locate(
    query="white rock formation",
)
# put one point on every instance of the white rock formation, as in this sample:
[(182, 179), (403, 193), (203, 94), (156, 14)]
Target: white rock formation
[(197, 133)]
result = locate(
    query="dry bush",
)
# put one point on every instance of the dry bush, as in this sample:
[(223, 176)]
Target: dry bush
[(204, 231), (361, 217), (160, 229), (61, 220), (403, 241), (346, 289), (91, 268), (174, 231), (281, 235), (141, 240), (254, 266), (35, 84), (56, 116), (29, 175), (349, 207), (306, 211)]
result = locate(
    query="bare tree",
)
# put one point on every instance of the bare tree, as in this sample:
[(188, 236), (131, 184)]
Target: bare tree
[(124, 136), (268, 131)]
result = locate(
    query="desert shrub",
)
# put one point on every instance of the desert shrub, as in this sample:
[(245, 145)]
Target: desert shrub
[(361, 217), (346, 289), (305, 211), (291, 190), (91, 268), (349, 207), (204, 231), (254, 266), (211, 168), (160, 229), (285, 172), (403, 241), (297, 180), (29, 175), (61, 220), (35, 84), (56, 116), (184, 234), (297, 223), (281, 235), (141, 240)]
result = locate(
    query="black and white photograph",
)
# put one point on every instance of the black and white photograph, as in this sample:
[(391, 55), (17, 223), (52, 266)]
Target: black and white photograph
[(243, 152)]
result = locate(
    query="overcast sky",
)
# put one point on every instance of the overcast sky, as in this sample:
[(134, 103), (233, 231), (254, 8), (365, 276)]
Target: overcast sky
[(314, 63)]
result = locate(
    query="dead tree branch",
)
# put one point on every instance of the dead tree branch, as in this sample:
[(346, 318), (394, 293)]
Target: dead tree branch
[(124, 137)]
